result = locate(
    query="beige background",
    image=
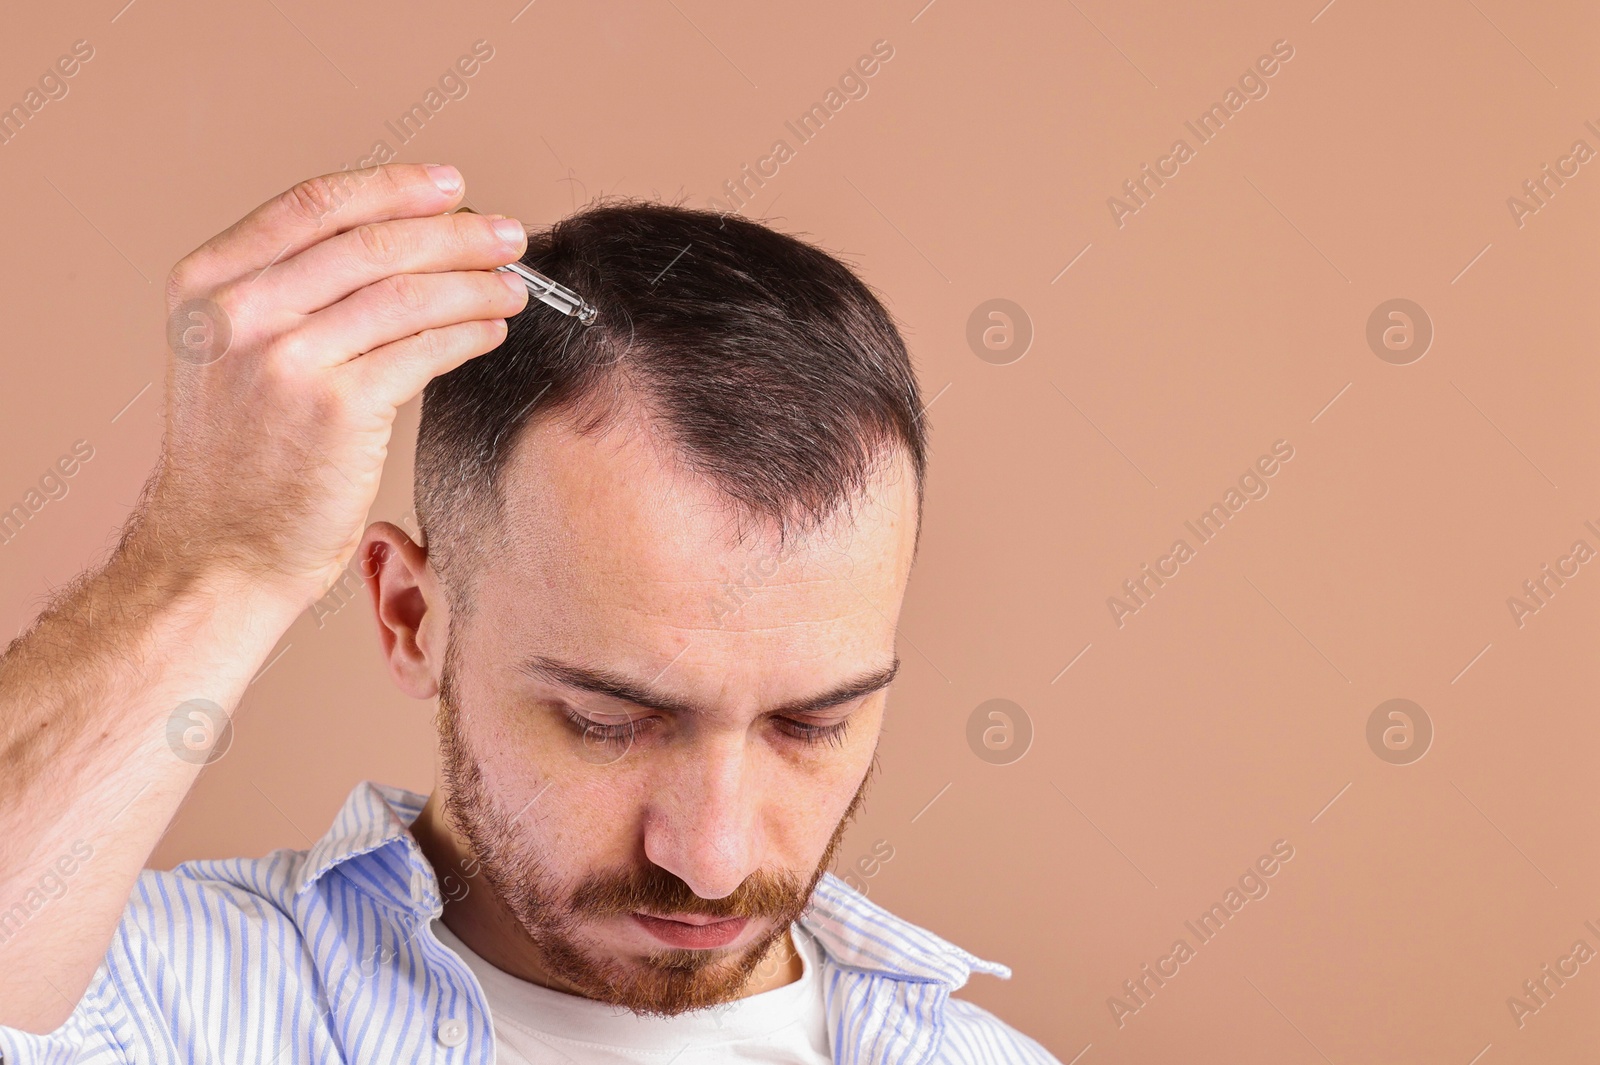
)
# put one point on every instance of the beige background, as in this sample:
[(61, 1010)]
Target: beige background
[(1226, 314)]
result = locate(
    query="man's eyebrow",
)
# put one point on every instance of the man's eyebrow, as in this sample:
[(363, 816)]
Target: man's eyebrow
[(613, 685)]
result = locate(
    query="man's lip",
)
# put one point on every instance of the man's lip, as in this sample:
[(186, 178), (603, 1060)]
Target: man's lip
[(687, 918), (701, 935)]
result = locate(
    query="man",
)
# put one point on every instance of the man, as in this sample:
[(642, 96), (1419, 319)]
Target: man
[(641, 781)]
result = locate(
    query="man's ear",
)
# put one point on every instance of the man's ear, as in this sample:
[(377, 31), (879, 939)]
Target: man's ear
[(413, 616)]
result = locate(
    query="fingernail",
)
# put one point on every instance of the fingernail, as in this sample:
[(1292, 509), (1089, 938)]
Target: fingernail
[(513, 282), (448, 178), (510, 230)]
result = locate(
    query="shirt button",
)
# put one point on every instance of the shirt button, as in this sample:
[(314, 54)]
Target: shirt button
[(452, 1033)]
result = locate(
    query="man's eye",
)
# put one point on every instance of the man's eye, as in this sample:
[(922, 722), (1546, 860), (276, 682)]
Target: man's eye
[(594, 732), (622, 734), (814, 735)]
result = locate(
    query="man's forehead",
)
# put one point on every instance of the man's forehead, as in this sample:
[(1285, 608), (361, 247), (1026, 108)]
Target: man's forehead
[(616, 562), (620, 507)]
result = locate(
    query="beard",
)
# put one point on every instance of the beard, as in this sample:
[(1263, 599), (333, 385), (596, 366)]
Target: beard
[(663, 982)]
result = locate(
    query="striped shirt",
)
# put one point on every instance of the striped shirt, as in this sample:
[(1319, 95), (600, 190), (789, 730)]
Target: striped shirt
[(326, 955)]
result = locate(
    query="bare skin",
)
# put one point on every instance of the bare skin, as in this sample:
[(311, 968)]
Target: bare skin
[(345, 296)]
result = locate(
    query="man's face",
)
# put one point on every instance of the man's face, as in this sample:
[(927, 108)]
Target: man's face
[(642, 717)]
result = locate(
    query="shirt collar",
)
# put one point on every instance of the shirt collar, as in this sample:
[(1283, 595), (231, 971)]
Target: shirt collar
[(371, 836), (860, 934), (374, 821)]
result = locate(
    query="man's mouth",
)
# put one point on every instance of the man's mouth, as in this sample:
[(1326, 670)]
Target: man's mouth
[(692, 931), (686, 918)]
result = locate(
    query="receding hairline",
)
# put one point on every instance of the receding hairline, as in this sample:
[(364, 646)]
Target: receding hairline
[(592, 416)]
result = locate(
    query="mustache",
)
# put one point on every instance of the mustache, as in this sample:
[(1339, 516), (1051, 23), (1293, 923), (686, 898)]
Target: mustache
[(655, 890)]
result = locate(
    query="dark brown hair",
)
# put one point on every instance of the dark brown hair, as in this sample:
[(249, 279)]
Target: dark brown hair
[(770, 368)]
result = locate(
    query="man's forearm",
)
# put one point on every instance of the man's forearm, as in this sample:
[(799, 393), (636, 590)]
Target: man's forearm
[(92, 774)]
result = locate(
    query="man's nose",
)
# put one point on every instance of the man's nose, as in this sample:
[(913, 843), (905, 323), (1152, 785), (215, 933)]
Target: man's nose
[(701, 825)]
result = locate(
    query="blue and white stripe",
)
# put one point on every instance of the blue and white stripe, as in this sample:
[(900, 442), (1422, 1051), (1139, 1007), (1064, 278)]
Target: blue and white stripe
[(325, 955)]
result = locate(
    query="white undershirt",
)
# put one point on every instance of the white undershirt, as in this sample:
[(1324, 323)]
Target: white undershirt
[(785, 1024)]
